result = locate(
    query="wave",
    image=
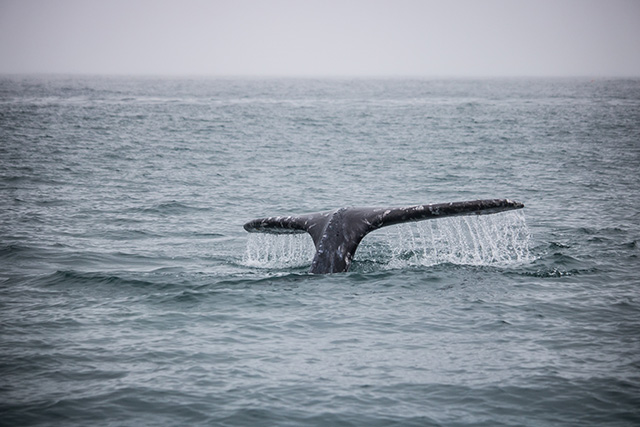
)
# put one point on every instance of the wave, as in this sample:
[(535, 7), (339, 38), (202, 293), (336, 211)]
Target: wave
[(13, 249), (168, 208), (71, 277)]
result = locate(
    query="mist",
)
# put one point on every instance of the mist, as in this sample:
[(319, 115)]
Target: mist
[(321, 38)]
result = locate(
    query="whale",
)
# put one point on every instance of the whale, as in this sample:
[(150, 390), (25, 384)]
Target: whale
[(337, 233)]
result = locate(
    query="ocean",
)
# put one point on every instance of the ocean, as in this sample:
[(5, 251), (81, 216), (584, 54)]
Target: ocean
[(130, 294)]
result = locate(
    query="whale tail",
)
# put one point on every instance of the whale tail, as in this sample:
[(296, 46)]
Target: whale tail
[(336, 234)]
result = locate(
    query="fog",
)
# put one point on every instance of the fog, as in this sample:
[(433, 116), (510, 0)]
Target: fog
[(322, 38)]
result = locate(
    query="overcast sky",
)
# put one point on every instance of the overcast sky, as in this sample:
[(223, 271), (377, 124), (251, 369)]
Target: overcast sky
[(322, 38)]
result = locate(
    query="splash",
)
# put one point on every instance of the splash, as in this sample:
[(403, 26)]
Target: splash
[(498, 240), (278, 250)]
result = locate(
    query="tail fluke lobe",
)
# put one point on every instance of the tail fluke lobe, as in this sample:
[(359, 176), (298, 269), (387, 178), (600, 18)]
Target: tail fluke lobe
[(384, 217)]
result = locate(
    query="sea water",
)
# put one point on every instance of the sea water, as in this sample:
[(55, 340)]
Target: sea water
[(131, 295)]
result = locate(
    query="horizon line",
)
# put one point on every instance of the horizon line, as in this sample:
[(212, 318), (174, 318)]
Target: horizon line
[(320, 76)]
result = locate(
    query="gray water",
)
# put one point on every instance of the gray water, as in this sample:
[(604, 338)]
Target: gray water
[(131, 295)]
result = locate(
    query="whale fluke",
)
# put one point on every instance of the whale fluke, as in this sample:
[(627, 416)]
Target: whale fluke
[(337, 234)]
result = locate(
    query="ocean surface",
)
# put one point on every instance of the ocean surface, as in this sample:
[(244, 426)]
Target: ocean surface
[(130, 293)]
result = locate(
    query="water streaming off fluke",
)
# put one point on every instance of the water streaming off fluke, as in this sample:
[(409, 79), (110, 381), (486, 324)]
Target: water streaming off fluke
[(497, 240)]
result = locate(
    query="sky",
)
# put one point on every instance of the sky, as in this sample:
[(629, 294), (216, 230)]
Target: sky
[(452, 38)]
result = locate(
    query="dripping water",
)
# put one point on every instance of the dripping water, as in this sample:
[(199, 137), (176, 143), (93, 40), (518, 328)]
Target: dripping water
[(278, 250), (482, 240)]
